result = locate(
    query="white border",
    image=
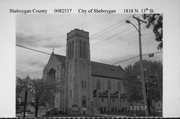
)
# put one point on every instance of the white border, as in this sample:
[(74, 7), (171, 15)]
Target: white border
[(171, 58)]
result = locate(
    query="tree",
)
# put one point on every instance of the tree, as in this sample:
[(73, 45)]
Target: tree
[(42, 92), (21, 86), (156, 20), (153, 81), (132, 83)]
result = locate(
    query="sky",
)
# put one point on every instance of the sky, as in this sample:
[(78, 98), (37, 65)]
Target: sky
[(111, 39)]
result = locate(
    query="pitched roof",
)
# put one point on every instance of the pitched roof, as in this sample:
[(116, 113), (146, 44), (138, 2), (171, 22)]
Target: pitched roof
[(106, 70), (61, 58), (101, 69)]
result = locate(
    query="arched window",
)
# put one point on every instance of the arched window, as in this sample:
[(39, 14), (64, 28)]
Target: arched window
[(109, 85), (98, 84), (83, 83), (57, 99), (82, 49), (84, 101)]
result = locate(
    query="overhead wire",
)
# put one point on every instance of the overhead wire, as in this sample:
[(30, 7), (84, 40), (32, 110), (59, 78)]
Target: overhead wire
[(137, 56), (100, 41), (108, 28), (122, 37), (120, 32), (33, 49), (113, 63)]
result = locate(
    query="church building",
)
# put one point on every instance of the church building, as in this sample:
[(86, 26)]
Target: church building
[(85, 84)]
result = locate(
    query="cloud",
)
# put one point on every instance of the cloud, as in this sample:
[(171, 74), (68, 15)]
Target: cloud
[(25, 40), (36, 63), (28, 67), (45, 32), (53, 43), (32, 74), (37, 41)]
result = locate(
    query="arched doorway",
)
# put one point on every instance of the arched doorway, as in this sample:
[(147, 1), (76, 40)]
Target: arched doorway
[(84, 101)]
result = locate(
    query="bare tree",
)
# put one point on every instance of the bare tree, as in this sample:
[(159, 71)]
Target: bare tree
[(42, 92)]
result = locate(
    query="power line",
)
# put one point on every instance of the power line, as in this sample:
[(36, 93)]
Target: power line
[(33, 49), (132, 32), (118, 36), (117, 32), (137, 56), (42, 51), (110, 26), (107, 29), (114, 63), (39, 50), (114, 35)]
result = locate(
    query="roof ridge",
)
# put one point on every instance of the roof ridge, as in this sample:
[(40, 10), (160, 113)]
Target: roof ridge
[(59, 55), (95, 62), (99, 63), (100, 69)]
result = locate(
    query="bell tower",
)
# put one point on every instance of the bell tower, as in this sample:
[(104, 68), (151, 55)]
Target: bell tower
[(78, 74), (78, 45)]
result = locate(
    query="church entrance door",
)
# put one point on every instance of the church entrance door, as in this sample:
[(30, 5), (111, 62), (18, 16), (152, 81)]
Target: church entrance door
[(84, 101)]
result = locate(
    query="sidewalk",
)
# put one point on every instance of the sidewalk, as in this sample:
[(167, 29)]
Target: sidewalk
[(106, 115)]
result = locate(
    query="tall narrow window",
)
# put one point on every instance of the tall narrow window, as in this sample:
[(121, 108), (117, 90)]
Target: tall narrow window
[(109, 85), (68, 50), (85, 84), (98, 84), (72, 49), (80, 49), (84, 49), (70, 92), (119, 86), (57, 99), (102, 99)]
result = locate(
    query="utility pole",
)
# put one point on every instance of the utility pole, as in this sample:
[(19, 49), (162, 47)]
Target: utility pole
[(159, 86), (141, 66), (141, 62)]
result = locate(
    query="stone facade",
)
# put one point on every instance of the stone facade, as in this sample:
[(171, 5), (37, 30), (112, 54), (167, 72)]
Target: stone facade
[(95, 86)]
